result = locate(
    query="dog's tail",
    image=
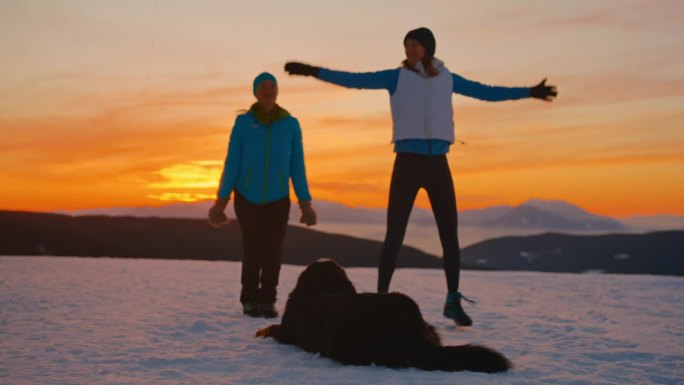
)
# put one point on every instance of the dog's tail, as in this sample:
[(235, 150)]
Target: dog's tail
[(474, 358)]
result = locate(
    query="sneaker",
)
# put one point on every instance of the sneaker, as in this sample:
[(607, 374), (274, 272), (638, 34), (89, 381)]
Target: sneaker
[(268, 310), (454, 310), (251, 309)]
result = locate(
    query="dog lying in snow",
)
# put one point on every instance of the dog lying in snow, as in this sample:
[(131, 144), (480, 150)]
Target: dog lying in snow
[(324, 314)]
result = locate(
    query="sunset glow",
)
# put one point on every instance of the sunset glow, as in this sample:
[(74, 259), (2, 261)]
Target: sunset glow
[(131, 103)]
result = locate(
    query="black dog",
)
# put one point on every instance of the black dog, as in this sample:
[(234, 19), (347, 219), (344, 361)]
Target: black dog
[(324, 314)]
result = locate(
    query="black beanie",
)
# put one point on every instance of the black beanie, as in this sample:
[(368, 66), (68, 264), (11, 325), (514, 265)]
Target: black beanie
[(425, 37)]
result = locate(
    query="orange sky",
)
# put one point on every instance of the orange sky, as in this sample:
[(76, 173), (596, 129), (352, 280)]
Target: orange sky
[(131, 104)]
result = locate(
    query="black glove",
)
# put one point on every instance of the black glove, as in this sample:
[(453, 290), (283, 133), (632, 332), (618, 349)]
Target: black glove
[(296, 68), (544, 92)]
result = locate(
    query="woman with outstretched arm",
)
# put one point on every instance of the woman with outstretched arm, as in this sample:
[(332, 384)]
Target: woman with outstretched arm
[(422, 132)]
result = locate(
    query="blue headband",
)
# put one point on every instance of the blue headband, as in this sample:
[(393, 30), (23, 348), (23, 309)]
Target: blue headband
[(263, 76)]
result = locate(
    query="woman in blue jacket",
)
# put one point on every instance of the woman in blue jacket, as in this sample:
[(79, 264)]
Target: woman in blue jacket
[(265, 151), (422, 132)]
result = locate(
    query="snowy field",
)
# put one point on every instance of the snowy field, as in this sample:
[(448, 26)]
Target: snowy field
[(111, 321)]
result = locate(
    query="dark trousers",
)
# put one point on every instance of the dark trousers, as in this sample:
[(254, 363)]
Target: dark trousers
[(263, 232), (411, 172)]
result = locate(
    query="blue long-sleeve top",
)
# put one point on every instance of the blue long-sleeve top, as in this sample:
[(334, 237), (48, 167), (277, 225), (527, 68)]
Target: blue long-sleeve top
[(262, 157), (388, 80)]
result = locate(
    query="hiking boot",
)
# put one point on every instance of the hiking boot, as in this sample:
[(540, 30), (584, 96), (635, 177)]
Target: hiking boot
[(454, 310), (251, 309), (268, 310)]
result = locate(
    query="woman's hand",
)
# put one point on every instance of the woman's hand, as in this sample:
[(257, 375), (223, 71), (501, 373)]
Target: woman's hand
[(308, 213), (217, 217), (544, 92), (296, 68)]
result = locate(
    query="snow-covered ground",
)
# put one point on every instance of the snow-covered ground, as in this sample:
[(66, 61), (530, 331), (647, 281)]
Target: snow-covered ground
[(112, 321)]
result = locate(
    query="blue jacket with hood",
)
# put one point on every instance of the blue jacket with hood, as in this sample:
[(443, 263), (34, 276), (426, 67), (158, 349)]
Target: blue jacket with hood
[(262, 157)]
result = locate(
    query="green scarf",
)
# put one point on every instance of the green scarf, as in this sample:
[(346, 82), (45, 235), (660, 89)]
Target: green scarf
[(268, 119)]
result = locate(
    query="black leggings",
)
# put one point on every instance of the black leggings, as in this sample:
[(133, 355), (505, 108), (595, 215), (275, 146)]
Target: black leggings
[(411, 172), (263, 232)]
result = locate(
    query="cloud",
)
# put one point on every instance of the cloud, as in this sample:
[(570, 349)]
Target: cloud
[(630, 16), (191, 175), (131, 97), (181, 197)]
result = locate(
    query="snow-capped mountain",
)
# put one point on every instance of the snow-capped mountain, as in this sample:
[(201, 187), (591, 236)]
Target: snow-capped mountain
[(555, 215)]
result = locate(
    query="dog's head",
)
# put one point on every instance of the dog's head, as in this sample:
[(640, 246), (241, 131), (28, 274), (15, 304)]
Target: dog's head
[(324, 276)]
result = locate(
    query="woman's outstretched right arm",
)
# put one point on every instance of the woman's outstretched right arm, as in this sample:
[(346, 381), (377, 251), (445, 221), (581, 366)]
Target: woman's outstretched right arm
[(380, 80)]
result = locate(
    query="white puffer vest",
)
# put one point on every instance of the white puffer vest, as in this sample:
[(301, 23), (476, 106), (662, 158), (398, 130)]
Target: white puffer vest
[(421, 106)]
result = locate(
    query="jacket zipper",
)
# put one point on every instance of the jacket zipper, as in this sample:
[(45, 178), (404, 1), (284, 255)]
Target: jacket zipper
[(268, 155), (427, 117)]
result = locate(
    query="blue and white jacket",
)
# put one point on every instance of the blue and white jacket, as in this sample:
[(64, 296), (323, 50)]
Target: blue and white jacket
[(422, 116), (263, 157)]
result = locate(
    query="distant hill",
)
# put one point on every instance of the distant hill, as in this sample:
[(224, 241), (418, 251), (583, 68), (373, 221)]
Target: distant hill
[(546, 215), (655, 223), (652, 253), (25, 233)]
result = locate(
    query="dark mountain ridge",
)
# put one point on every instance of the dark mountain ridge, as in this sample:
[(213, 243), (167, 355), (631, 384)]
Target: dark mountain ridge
[(26, 233), (652, 253)]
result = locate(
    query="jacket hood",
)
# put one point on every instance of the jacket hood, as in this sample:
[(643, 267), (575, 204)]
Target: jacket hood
[(278, 113), (438, 64)]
